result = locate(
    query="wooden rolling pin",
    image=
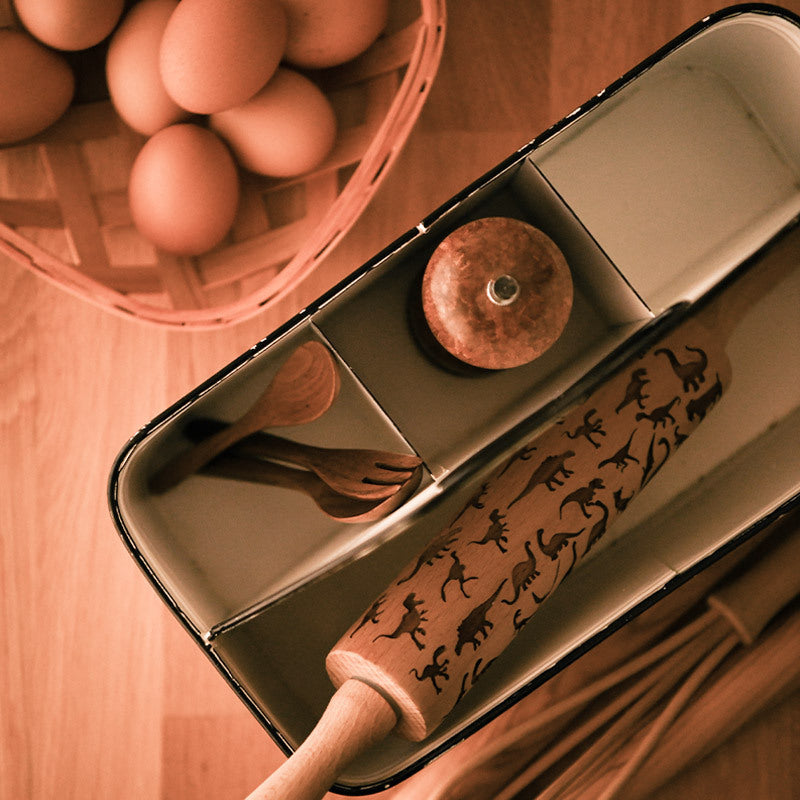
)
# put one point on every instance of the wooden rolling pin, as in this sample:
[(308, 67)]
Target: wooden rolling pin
[(451, 612)]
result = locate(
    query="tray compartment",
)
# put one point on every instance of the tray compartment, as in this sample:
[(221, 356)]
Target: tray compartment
[(219, 545), (448, 416), (704, 143)]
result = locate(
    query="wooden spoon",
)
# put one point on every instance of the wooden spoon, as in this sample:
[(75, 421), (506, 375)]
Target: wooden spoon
[(335, 505), (301, 391)]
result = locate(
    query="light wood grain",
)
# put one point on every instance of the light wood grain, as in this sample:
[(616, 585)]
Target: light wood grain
[(102, 695)]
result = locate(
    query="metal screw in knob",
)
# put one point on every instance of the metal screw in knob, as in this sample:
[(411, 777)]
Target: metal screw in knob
[(503, 290)]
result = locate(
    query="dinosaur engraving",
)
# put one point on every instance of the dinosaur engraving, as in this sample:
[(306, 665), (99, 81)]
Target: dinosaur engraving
[(547, 473), (634, 391), (475, 624), (651, 467), (700, 406), (574, 559), (679, 437), (692, 372), (556, 543), (598, 529), (410, 622), (590, 427), (622, 457), (435, 669), (659, 416), (522, 575), (541, 598), (620, 502), (372, 614), (582, 496), (519, 621), (496, 532), (437, 548), (477, 671), (457, 574)]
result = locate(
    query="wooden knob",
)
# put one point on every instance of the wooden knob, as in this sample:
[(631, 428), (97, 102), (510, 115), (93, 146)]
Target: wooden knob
[(496, 293)]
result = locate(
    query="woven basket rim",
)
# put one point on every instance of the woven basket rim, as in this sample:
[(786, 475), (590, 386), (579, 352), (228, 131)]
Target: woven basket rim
[(383, 150)]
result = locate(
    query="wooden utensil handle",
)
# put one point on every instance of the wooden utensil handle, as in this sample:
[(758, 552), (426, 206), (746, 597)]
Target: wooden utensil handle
[(190, 461), (459, 604), (357, 717), (261, 471), (267, 445)]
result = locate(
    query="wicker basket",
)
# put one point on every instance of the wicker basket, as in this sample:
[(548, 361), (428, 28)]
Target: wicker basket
[(63, 194)]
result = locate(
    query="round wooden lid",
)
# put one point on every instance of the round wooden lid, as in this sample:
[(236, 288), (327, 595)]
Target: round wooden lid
[(497, 293)]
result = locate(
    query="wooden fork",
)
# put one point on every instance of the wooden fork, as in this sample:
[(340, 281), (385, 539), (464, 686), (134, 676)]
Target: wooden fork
[(335, 505), (359, 473)]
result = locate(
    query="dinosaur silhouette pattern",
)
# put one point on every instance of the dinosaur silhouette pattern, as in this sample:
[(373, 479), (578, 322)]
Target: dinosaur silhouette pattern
[(697, 408), (496, 532), (476, 624), (457, 573), (582, 496), (484, 576), (620, 502), (551, 472), (588, 428), (433, 670), (437, 549), (372, 614), (634, 391), (599, 528), (469, 680), (523, 455), (691, 372), (519, 621), (411, 622), (678, 437), (476, 501), (622, 457), (661, 415), (651, 465), (522, 575), (556, 543)]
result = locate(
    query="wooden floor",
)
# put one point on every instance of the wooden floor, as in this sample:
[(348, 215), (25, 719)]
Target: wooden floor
[(102, 694)]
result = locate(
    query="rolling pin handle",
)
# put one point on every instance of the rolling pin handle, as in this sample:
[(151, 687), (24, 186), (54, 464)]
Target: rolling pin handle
[(357, 717)]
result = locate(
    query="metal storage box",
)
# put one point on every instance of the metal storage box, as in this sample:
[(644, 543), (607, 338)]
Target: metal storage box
[(656, 190)]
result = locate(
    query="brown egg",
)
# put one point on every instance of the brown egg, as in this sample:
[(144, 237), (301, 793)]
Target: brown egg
[(69, 24), (184, 189), (132, 68), (36, 86), (323, 33), (217, 54), (286, 129)]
